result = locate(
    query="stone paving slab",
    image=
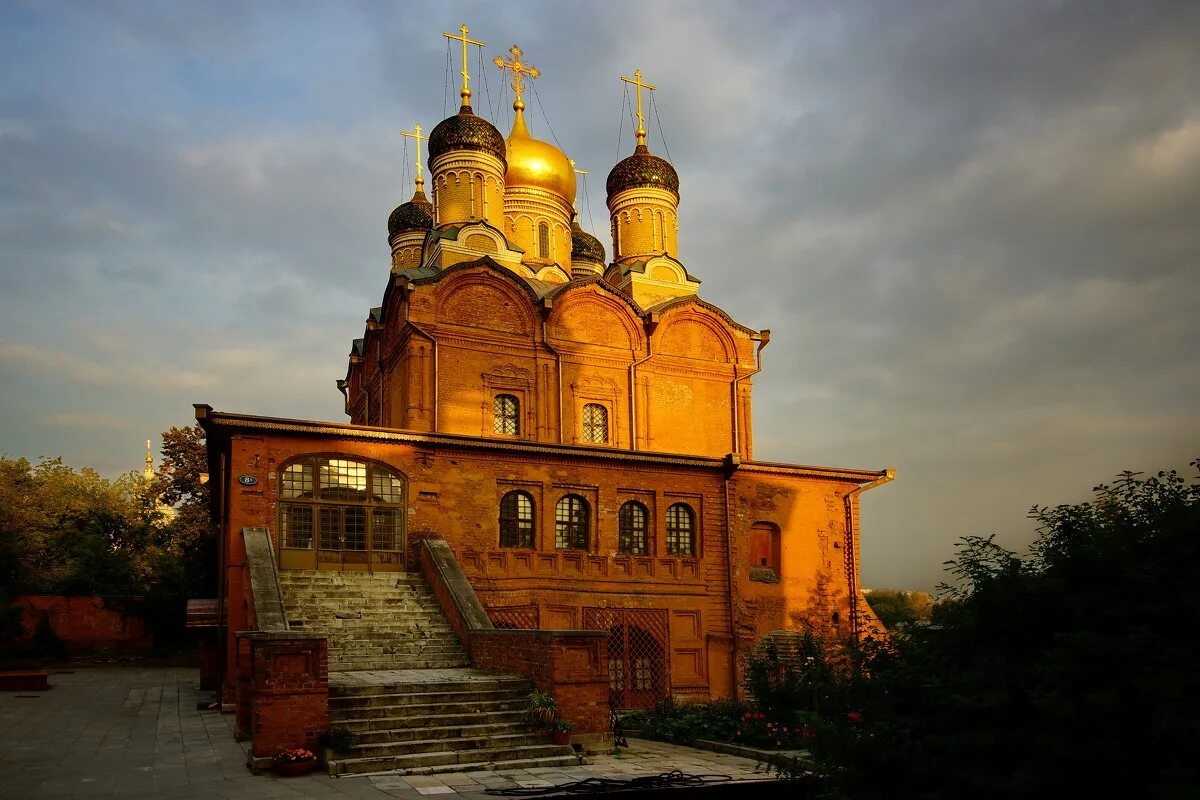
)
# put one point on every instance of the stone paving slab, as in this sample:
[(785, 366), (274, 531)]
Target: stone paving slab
[(135, 734)]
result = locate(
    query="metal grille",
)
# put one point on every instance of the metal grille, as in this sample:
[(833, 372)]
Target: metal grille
[(680, 539), (297, 526), (632, 529), (595, 423), (637, 653), (505, 418), (523, 617)]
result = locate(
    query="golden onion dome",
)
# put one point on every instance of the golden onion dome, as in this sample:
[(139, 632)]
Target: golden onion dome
[(538, 164)]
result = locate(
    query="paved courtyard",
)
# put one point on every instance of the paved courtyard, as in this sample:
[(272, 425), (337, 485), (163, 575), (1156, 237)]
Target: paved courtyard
[(136, 733)]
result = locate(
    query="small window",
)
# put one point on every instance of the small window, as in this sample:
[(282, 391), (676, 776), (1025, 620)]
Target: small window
[(516, 520), (632, 529), (595, 423), (571, 523), (507, 418), (543, 240), (681, 538)]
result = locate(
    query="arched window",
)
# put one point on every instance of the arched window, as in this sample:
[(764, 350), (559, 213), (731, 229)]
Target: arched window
[(506, 417), (681, 525), (341, 504), (571, 523), (516, 520), (543, 240), (595, 423), (631, 523)]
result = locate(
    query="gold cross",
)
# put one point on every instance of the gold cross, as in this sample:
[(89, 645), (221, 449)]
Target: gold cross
[(466, 90), (519, 70), (417, 135), (577, 171), (636, 80)]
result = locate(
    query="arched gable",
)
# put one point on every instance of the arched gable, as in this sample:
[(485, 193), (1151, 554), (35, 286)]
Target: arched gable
[(689, 330), (590, 312), (476, 298)]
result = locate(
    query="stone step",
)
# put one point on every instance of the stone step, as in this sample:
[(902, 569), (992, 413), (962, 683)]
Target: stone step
[(419, 711), (440, 715), (455, 760), (570, 760), (394, 646), (433, 692), (396, 663), (475, 730)]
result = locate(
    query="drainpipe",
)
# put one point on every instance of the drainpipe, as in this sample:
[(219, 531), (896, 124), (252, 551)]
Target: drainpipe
[(557, 369), (405, 287), (851, 561), (763, 338), (651, 322), (732, 462)]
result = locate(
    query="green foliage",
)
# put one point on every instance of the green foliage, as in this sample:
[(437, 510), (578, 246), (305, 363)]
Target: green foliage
[(542, 709), (1064, 670), (900, 609), (685, 722)]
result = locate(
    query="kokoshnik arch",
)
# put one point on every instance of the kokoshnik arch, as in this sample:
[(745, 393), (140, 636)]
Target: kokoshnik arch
[(577, 430)]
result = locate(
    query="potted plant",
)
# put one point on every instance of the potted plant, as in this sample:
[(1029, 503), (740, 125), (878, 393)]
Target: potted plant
[(293, 761), (542, 710), (561, 729)]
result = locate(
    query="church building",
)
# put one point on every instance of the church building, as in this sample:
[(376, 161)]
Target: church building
[(575, 428)]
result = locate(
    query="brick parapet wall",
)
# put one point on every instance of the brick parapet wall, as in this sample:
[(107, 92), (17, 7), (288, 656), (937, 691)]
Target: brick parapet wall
[(571, 665), (287, 688)]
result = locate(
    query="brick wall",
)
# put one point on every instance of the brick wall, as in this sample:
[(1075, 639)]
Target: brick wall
[(87, 623), (571, 665)]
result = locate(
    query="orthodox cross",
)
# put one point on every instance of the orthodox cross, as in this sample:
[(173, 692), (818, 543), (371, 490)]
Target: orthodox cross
[(417, 135), (577, 171), (518, 70), (636, 80), (466, 89)]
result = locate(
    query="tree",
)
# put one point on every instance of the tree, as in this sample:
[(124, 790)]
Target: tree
[(182, 484), (1070, 668), (900, 609)]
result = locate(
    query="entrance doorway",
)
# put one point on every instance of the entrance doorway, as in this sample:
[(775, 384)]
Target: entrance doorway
[(638, 673), (341, 514)]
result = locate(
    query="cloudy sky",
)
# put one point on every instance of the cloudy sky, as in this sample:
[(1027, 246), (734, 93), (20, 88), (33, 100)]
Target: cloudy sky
[(972, 227)]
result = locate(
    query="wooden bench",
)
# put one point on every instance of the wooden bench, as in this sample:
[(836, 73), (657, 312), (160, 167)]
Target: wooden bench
[(28, 681)]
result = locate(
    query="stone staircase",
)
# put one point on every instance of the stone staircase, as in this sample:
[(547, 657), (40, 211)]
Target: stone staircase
[(439, 721), (399, 681), (384, 621)]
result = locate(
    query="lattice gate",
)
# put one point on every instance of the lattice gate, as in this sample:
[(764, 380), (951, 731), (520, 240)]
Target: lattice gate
[(638, 648), (522, 617)]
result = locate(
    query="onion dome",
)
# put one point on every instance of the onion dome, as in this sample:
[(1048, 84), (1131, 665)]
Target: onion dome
[(643, 168), (415, 215), (584, 246), (465, 131), (537, 164)]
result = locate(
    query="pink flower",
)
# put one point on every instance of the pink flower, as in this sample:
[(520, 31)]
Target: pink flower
[(854, 716)]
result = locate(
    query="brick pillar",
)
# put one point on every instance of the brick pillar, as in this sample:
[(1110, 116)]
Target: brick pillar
[(289, 690), (243, 672)]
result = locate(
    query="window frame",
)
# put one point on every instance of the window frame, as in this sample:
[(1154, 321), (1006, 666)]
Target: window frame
[(501, 416), (626, 530), (572, 528), (674, 530), (328, 508), (519, 533), (589, 427)]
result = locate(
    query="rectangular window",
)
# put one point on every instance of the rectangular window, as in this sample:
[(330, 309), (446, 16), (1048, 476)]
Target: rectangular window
[(330, 526), (354, 520), (385, 529), (297, 526)]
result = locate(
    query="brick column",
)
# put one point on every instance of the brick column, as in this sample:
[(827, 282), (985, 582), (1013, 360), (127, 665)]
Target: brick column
[(289, 690)]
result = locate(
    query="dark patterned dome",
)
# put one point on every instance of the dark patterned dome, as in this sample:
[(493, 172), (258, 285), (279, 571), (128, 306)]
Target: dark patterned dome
[(465, 131), (415, 215), (643, 168), (584, 246)]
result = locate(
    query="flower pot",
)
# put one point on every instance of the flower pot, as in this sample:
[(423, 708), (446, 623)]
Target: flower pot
[(561, 737), (287, 769)]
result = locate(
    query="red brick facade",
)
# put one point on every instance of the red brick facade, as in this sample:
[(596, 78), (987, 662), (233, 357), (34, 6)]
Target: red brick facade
[(86, 623)]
